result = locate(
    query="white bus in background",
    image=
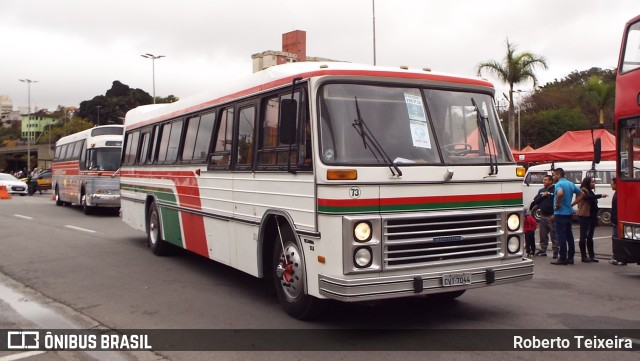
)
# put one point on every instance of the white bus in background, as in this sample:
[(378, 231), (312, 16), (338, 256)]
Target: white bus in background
[(84, 167), (575, 172), (333, 180)]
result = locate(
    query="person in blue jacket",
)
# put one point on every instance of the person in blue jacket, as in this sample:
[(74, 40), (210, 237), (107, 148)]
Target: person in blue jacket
[(562, 213)]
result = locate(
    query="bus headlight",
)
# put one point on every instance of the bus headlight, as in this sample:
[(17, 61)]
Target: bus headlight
[(362, 257), (513, 244), (362, 231), (513, 222), (631, 232)]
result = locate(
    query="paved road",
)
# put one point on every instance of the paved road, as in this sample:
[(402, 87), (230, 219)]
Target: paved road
[(98, 272)]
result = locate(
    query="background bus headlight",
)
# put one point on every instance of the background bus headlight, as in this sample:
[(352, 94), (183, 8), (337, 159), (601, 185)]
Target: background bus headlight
[(513, 244), (362, 257), (362, 231), (513, 222)]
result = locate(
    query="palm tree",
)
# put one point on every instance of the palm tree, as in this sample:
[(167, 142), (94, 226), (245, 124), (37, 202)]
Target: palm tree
[(516, 69), (599, 94)]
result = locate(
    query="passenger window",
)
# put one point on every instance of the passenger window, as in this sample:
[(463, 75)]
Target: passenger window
[(272, 152), (132, 147), (246, 126), (164, 142), (174, 142), (190, 137), (224, 140), (144, 149)]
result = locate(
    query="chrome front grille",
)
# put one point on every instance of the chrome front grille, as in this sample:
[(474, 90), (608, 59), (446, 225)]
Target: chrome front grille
[(441, 238)]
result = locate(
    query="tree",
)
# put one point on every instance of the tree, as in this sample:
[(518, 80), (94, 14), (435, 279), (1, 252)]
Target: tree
[(112, 107), (516, 68), (600, 95), (542, 127)]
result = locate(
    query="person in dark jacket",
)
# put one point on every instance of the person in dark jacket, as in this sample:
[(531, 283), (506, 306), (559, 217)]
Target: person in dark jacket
[(614, 218), (544, 201), (587, 202)]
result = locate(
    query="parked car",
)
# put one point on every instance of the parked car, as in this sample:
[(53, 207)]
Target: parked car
[(13, 184)]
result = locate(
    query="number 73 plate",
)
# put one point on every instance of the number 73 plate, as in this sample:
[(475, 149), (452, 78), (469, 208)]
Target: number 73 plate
[(456, 279)]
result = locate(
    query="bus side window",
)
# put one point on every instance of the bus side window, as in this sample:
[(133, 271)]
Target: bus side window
[(141, 158), (221, 156), (246, 127), (153, 151), (83, 158)]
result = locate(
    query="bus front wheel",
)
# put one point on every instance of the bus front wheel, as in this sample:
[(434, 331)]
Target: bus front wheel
[(154, 232), (289, 278), (58, 201)]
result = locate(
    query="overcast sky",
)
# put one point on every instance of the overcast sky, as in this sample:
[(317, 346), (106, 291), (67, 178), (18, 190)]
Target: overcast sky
[(76, 49)]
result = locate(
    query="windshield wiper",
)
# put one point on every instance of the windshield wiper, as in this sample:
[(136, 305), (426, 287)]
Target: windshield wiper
[(369, 139), (481, 121)]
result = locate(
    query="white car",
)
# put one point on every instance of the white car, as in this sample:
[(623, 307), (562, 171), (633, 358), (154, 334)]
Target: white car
[(13, 184)]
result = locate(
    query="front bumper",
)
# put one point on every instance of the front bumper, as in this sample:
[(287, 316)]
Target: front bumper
[(377, 288), (626, 250), (103, 200)]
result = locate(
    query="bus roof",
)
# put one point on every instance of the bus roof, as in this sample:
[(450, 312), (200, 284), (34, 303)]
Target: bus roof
[(282, 75), (84, 134)]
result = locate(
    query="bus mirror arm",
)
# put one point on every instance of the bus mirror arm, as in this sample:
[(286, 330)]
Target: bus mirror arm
[(116, 173)]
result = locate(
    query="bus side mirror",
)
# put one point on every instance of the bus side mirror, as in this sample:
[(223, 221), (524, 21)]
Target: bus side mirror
[(288, 117), (597, 151)]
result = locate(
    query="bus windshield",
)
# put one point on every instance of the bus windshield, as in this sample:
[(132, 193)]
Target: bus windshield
[(357, 119), (104, 158)]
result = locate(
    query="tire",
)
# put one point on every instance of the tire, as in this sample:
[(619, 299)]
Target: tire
[(58, 201), (604, 217), (536, 213), (158, 246), (83, 201), (289, 281)]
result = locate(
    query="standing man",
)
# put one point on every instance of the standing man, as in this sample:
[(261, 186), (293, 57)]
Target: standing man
[(563, 211), (544, 201)]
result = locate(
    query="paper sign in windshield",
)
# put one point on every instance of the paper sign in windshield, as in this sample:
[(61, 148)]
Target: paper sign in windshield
[(417, 121)]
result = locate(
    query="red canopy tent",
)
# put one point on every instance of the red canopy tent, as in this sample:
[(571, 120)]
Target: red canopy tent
[(572, 145)]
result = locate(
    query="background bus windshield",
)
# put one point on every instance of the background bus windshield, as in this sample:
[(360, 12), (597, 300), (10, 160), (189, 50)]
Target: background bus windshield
[(104, 158)]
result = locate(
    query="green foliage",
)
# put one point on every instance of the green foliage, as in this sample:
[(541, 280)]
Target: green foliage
[(516, 68), (574, 103), (112, 107), (58, 131), (545, 126)]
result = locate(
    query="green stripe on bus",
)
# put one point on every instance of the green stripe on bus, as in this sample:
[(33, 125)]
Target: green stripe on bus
[(171, 227), (419, 207)]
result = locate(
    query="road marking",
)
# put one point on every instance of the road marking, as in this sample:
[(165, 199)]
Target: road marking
[(80, 229), (20, 356), (23, 217)]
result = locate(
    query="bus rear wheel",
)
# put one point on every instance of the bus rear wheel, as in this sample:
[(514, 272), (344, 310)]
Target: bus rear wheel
[(158, 246), (289, 281)]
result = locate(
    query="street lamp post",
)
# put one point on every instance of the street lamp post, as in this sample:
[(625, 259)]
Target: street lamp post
[(28, 81), (153, 70)]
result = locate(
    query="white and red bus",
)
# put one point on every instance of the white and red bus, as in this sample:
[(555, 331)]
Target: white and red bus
[(334, 180), (84, 168), (626, 242)]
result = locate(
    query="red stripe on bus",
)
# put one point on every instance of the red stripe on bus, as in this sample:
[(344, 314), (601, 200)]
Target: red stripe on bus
[(195, 239)]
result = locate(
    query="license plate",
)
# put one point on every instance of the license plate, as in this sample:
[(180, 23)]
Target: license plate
[(456, 279)]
